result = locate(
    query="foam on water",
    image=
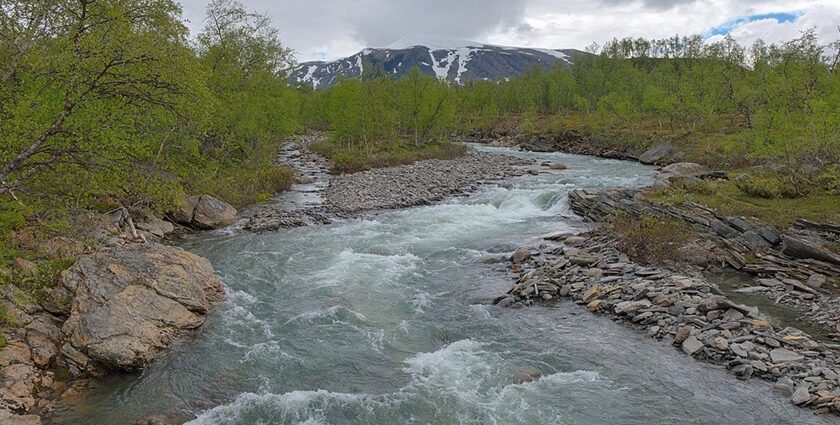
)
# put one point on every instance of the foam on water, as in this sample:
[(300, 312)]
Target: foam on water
[(386, 320)]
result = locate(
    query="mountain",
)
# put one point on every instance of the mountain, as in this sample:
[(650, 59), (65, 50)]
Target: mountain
[(456, 61)]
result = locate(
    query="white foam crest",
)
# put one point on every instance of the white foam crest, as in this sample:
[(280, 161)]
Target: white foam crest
[(238, 316), (380, 268), (294, 406), (336, 313), (456, 367)]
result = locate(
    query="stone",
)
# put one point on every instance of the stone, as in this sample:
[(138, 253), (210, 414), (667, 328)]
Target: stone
[(739, 224), (547, 297), (155, 226), (184, 214), (732, 315), (9, 418), (558, 166), (743, 371), (593, 292), (506, 302), (801, 395), (691, 345), (783, 355), (594, 305), (738, 350), (770, 235), (799, 248), (816, 281), (676, 310), (521, 255), (212, 213), (526, 375), (784, 385), (658, 154), (17, 384), (26, 267), (719, 343), (682, 169), (683, 332), (754, 241), (15, 352), (131, 301), (631, 306), (593, 272), (574, 240), (584, 260)]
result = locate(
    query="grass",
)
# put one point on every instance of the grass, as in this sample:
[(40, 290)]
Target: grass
[(389, 154), (247, 184), (728, 199)]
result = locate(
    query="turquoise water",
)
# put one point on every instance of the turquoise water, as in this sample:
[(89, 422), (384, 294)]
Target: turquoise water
[(386, 320)]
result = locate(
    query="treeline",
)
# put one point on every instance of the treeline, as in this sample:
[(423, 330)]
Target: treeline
[(108, 102), (763, 101)]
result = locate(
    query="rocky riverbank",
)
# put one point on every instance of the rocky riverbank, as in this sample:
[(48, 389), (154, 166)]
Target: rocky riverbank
[(348, 195), (682, 307), (122, 303)]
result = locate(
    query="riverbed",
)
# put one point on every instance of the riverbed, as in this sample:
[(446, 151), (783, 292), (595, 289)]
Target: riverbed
[(386, 319)]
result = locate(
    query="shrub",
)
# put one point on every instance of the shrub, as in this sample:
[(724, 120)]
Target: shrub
[(649, 239), (355, 158), (770, 187)]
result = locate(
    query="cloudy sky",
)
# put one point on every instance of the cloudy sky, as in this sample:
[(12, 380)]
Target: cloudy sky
[(328, 29)]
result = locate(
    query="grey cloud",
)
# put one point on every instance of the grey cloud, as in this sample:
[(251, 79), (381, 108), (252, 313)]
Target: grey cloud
[(655, 4), (305, 25)]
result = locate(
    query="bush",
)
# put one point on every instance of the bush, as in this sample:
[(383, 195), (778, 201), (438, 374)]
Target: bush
[(649, 239), (769, 187), (354, 159), (247, 183)]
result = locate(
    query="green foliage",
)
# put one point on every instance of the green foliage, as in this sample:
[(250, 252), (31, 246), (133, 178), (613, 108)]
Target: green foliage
[(106, 103), (650, 239), (768, 187), (355, 159)]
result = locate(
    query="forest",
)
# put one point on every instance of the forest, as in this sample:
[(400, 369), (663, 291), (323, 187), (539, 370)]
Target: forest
[(109, 103)]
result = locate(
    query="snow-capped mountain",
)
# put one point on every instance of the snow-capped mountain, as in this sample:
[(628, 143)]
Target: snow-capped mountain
[(456, 61)]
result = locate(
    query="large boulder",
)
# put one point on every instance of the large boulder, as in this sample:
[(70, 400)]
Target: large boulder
[(660, 154), (184, 214), (683, 169), (130, 302), (211, 213)]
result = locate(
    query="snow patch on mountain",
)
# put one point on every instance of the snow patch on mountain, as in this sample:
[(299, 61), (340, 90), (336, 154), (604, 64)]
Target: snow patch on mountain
[(452, 60)]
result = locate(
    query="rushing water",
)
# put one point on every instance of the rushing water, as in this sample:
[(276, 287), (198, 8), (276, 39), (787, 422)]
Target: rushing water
[(386, 320)]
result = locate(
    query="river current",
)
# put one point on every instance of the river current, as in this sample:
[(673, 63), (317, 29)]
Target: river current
[(387, 320)]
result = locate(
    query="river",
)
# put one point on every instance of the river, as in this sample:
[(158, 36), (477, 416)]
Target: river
[(387, 320)]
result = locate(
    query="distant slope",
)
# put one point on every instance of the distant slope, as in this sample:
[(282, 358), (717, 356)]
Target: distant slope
[(456, 61)]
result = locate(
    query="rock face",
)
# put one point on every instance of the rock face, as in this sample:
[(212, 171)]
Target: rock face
[(205, 212), (129, 302), (660, 154), (211, 213)]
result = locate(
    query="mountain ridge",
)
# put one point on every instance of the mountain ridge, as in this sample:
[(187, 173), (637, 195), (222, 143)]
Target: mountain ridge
[(455, 61)]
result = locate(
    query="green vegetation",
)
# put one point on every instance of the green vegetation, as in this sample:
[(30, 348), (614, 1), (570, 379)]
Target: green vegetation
[(728, 199), (109, 102), (375, 121), (106, 103), (651, 240)]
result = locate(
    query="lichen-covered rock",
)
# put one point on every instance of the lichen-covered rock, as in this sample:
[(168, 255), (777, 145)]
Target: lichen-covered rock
[(129, 302), (9, 418), (212, 213)]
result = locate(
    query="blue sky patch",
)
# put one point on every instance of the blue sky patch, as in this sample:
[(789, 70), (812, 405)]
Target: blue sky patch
[(780, 17)]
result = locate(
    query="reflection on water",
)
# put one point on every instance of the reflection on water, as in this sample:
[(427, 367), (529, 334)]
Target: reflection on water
[(779, 315)]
